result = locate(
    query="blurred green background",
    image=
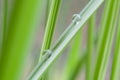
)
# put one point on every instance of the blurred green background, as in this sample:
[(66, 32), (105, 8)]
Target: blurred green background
[(67, 10)]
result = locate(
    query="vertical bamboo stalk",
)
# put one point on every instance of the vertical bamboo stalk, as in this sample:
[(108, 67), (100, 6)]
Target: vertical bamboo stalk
[(21, 29), (116, 59), (105, 44), (52, 18), (90, 46)]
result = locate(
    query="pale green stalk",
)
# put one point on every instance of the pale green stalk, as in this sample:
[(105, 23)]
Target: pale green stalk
[(69, 33), (52, 18), (116, 60), (103, 22), (90, 46), (50, 26), (106, 38), (46, 75)]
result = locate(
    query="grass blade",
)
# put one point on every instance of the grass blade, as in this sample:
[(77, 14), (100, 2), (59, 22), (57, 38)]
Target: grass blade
[(21, 28), (55, 5), (50, 26), (116, 59), (106, 39), (90, 45)]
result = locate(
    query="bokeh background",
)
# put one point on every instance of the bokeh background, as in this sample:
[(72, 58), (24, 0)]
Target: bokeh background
[(67, 10)]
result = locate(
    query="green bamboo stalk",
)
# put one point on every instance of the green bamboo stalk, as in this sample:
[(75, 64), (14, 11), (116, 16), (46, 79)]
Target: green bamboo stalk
[(90, 46), (103, 21), (116, 59), (21, 27), (55, 5), (73, 57), (69, 33), (106, 39)]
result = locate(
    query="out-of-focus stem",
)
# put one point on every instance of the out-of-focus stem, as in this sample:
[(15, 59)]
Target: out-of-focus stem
[(116, 60), (90, 46)]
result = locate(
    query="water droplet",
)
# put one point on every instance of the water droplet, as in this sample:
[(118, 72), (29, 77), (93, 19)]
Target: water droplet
[(48, 52), (76, 18)]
